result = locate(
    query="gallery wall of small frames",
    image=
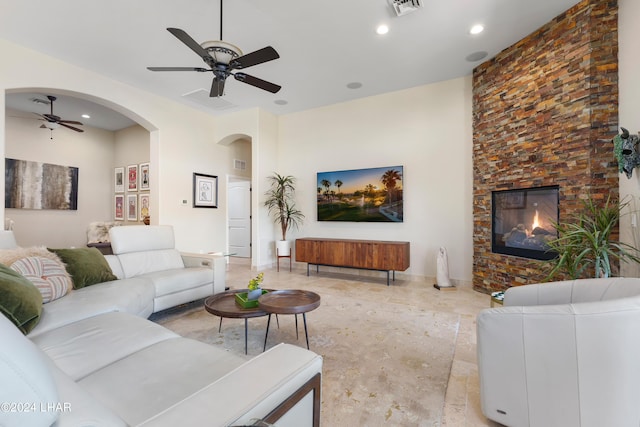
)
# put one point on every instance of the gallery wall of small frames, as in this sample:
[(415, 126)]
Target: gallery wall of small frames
[(132, 198)]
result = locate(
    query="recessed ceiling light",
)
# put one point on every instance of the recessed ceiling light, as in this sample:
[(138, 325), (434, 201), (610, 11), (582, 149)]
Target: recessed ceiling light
[(86, 116), (476, 29), (382, 29), (354, 85), (280, 102), (476, 56)]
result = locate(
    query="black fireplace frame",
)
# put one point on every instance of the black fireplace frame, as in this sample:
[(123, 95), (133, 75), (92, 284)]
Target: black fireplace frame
[(520, 200)]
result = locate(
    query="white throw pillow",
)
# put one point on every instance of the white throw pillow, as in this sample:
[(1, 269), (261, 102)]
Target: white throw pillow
[(49, 276), (9, 256)]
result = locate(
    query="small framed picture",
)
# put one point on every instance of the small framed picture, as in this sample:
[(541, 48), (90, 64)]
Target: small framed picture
[(144, 176), (132, 178), (118, 180), (118, 207), (132, 207), (143, 201), (205, 191)]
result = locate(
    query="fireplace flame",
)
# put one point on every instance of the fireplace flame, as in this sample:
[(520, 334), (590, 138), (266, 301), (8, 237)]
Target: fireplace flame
[(536, 222)]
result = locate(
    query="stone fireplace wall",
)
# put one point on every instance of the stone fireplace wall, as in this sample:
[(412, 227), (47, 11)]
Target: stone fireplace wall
[(544, 113)]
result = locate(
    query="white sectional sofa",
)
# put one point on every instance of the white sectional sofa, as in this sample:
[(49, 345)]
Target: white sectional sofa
[(153, 276), (148, 252), (95, 360)]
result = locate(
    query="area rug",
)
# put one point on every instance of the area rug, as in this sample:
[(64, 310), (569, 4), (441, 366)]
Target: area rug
[(386, 359)]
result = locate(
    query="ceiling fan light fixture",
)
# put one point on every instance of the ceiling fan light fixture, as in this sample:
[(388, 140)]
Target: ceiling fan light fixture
[(51, 125), (223, 58), (221, 52)]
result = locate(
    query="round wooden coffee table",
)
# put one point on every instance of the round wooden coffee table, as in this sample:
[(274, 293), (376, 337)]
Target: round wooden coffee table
[(293, 301), (224, 305)]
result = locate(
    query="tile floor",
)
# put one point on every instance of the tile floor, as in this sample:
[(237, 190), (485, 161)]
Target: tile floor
[(462, 400)]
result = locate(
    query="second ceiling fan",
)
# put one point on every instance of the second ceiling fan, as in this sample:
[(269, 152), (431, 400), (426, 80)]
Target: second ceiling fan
[(223, 58), (51, 121)]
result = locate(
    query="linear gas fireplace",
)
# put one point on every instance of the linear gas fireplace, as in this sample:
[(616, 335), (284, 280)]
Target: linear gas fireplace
[(522, 221)]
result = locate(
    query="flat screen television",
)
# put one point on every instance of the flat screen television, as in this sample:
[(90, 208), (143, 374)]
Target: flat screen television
[(523, 221), (361, 195)]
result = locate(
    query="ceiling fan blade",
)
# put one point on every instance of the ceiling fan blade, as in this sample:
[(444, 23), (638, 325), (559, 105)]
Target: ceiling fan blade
[(71, 127), (259, 83), (51, 117), (254, 58), (198, 69), (42, 126), (70, 122), (191, 43), (217, 87)]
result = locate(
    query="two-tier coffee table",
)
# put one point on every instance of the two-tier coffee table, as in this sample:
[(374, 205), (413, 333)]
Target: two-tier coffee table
[(224, 305), (292, 301)]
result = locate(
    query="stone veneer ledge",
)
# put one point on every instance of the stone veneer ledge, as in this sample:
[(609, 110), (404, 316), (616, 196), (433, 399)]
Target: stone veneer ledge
[(544, 113)]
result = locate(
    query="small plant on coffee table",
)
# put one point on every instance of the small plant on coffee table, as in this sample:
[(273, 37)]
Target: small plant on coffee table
[(255, 289), (256, 282)]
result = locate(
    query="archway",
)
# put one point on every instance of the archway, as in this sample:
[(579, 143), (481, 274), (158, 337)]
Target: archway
[(92, 151), (239, 206)]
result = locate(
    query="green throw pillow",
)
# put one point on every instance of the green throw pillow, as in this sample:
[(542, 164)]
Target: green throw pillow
[(20, 300), (86, 266)]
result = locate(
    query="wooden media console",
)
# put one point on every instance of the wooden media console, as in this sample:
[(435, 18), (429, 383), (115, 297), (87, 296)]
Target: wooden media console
[(363, 254)]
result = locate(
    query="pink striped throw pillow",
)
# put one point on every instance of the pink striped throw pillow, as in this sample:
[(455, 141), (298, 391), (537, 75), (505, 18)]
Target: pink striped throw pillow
[(49, 276)]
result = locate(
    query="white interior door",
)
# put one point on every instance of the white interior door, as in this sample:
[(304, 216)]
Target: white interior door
[(239, 198)]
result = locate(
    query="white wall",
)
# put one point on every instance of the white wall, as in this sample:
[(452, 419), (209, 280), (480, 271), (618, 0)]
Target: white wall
[(261, 128), (91, 152), (428, 131), (95, 152), (131, 148), (241, 150), (425, 129), (629, 116), (181, 139)]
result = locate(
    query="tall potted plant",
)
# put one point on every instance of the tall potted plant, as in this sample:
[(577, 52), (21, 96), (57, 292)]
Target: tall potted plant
[(281, 205), (584, 245)]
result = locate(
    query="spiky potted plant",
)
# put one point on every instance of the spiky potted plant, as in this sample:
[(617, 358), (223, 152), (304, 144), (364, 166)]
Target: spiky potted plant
[(280, 202), (585, 246)]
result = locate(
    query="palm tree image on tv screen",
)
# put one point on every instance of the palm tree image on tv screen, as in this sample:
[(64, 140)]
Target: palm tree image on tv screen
[(361, 195)]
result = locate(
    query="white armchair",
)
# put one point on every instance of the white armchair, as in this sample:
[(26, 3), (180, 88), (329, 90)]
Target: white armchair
[(562, 354)]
